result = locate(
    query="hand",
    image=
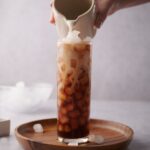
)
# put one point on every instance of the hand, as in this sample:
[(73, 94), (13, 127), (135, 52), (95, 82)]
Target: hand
[(103, 9)]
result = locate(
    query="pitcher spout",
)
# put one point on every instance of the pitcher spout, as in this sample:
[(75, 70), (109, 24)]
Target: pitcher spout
[(72, 15)]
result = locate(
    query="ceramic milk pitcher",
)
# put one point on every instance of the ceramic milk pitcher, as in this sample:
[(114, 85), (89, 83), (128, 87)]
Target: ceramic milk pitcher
[(77, 14)]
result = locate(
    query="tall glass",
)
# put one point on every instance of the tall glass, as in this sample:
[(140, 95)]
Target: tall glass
[(73, 91)]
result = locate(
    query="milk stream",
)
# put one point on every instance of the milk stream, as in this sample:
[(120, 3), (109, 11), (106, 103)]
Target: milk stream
[(70, 24), (73, 35)]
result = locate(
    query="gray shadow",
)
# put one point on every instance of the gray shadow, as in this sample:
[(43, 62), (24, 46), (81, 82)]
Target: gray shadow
[(137, 144)]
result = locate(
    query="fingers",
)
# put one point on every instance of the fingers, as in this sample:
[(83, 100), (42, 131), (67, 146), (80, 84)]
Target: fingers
[(100, 14), (102, 11), (100, 18), (52, 19), (115, 7), (97, 20)]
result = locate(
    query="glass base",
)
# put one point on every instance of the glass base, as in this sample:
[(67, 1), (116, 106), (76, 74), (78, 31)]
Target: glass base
[(79, 140)]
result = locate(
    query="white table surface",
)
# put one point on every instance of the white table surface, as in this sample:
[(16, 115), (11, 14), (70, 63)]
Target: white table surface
[(134, 114)]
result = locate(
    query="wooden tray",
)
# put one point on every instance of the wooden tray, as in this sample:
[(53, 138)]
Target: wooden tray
[(116, 136)]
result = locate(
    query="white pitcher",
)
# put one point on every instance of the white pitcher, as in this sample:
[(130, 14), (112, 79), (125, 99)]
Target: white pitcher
[(75, 15)]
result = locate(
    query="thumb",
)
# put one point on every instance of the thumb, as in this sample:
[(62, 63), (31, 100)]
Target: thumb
[(52, 19)]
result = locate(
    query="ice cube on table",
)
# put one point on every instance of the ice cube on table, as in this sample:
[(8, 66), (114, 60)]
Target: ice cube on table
[(96, 139), (38, 128)]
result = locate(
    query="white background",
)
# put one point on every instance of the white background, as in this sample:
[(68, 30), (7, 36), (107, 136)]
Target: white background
[(121, 49)]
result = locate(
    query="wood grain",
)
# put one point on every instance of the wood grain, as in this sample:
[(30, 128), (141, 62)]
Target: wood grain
[(116, 136)]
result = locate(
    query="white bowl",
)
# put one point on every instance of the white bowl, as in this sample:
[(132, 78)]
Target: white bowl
[(21, 98)]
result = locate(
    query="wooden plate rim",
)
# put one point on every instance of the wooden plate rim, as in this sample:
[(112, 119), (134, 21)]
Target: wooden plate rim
[(19, 135)]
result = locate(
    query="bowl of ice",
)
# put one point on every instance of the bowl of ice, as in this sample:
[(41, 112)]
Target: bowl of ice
[(23, 98)]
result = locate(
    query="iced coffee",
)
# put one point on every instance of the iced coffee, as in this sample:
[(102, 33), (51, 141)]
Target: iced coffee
[(73, 92)]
